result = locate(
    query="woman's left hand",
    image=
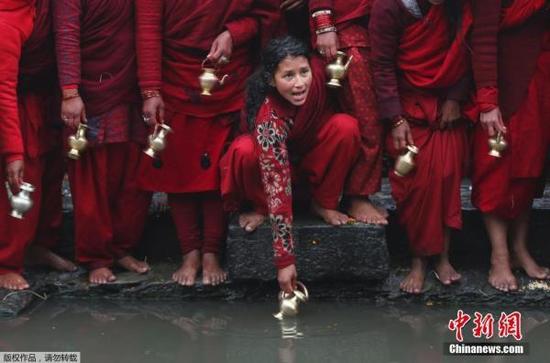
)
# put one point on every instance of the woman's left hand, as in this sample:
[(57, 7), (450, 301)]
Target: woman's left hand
[(221, 49)]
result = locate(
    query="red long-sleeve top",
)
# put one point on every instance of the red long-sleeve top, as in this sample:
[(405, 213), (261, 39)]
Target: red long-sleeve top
[(16, 24), (174, 37)]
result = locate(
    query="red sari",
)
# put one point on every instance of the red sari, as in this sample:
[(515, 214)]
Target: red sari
[(430, 69), (519, 83), (357, 97), (27, 128), (95, 52)]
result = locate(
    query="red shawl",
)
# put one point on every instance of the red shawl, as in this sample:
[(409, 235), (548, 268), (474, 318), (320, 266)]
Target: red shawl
[(520, 11), (433, 63)]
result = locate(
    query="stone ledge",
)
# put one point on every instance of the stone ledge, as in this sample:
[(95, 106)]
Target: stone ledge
[(157, 285)]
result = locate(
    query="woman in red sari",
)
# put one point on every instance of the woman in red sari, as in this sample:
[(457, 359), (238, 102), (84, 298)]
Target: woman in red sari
[(289, 117), (97, 74), (512, 96), (30, 141), (420, 64), (174, 37)]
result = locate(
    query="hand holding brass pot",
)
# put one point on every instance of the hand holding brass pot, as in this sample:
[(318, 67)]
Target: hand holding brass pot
[(497, 144), (337, 70), (405, 162), (289, 303), (78, 142), (21, 202), (157, 140), (208, 79)]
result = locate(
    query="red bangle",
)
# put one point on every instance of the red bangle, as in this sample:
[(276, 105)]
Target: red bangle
[(322, 19)]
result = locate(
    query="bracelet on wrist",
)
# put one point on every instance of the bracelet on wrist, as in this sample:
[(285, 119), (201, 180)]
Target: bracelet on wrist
[(325, 30), (322, 21), (150, 93), (69, 94), (398, 121)]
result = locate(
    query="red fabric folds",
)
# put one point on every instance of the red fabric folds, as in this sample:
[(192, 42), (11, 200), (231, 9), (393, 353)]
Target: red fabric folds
[(520, 11), (423, 64)]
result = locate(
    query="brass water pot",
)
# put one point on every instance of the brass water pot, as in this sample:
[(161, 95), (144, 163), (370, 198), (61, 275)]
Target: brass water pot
[(157, 140), (405, 162), (497, 144), (21, 202), (78, 142), (337, 70), (289, 303), (208, 79)]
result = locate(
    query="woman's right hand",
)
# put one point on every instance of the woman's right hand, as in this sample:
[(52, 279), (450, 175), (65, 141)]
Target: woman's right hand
[(287, 278), (14, 174), (153, 111), (402, 136), (492, 121), (73, 112)]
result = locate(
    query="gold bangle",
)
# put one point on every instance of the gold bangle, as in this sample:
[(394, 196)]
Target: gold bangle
[(321, 12), (400, 121), (150, 93), (328, 29)]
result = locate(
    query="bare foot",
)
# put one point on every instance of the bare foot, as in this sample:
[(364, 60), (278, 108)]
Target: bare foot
[(501, 277), (364, 211), (445, 272), (39, 255), (132, 264), (530, 266), (212, 273), (13, 281), (100, 276), (251, 220), (414, 281), (187, 273), (330, 216)]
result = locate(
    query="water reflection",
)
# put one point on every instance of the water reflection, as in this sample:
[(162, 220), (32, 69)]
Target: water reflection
[(244, 332)]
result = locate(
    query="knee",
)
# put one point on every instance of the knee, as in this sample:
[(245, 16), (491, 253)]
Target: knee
[(243, 150), (345, 128)]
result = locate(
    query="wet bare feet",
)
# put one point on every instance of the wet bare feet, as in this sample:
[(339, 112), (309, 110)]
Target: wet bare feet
[(13, 281), (132, 264), (251, 220), (445, 272), (501, 276), (212, 273), (364, 211), (330, 216), (38, 255), (100, 276), (187, 273), (524, 260), (414, 281)]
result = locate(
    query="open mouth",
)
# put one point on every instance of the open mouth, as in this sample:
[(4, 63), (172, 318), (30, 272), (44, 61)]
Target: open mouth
[(299, 95)]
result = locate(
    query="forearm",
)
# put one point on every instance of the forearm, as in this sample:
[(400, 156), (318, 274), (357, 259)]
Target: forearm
[(149, 43), (67, 15)]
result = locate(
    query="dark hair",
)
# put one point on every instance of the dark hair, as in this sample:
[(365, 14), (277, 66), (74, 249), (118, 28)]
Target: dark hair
[(258, 85)]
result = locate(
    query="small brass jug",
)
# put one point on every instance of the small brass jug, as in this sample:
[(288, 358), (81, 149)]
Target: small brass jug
[(289, 303), (497, 144), (78, 142), (21, 202), (157, 140), (208, 79), (405, 163), (337, 70)]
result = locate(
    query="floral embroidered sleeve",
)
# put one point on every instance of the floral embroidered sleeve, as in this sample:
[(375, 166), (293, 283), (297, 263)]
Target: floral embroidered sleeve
[(271, 136)]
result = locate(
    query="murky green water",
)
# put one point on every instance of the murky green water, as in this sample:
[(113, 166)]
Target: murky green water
[(213, 332)]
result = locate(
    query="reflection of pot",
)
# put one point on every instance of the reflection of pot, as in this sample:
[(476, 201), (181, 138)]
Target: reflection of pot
[(497, 145), (78, 142), (289, 303), (405, 163), (157, 140), (21, 202), (208, 79), (338, 69)]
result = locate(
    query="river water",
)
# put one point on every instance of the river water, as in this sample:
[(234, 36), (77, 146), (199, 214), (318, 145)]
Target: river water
[(211, 332)]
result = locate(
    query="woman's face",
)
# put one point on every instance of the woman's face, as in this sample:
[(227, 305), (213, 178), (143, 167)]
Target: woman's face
[(292, 79)]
